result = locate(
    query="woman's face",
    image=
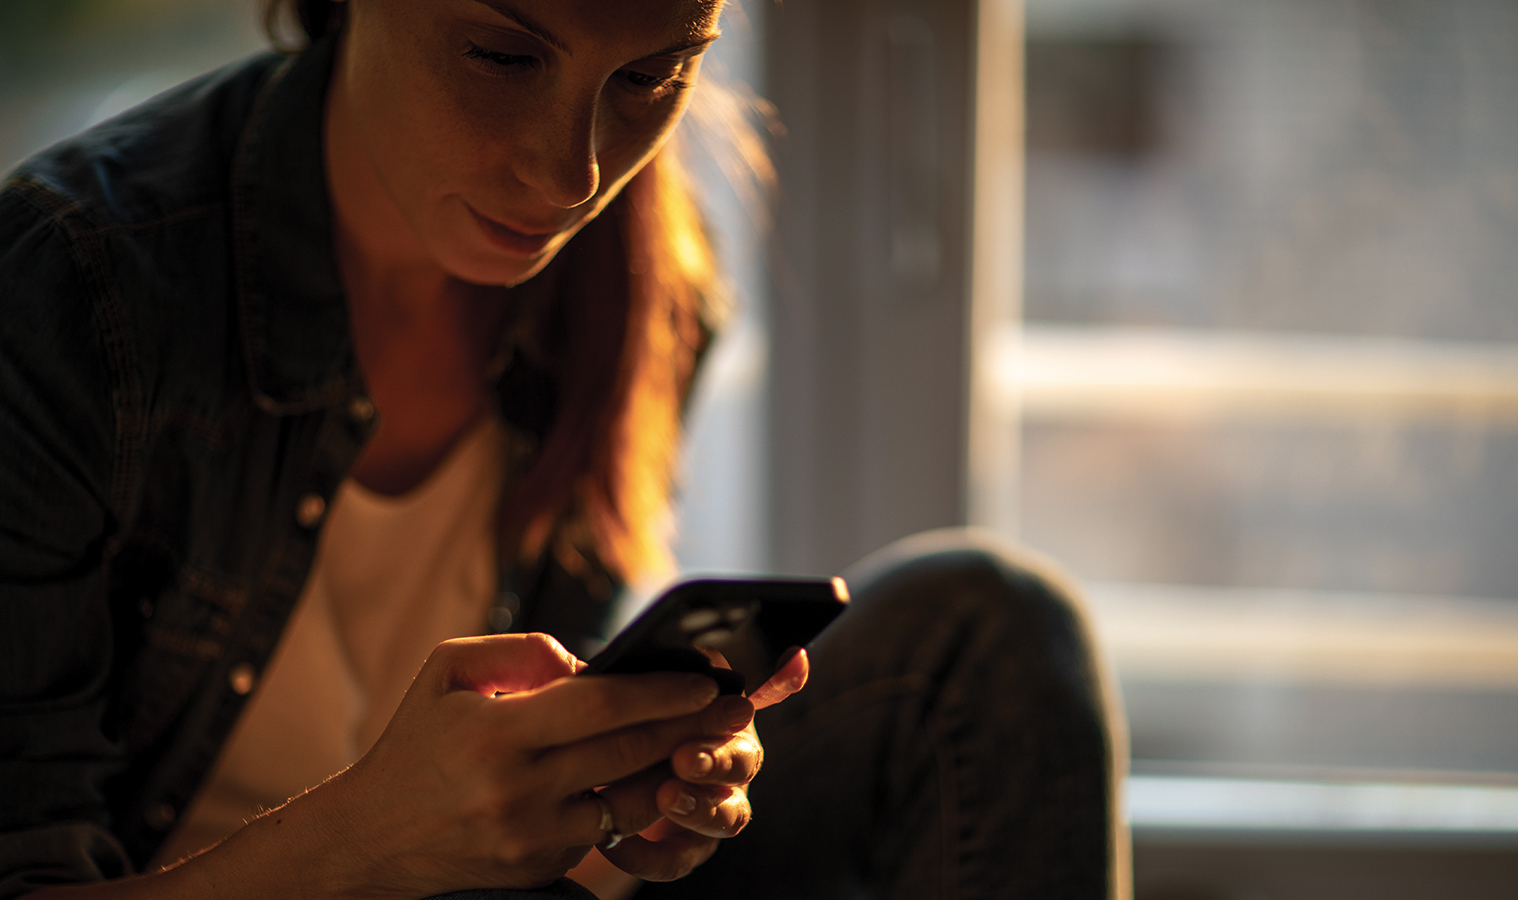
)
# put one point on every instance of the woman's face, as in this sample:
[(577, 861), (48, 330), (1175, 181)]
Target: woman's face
[(497, 128)]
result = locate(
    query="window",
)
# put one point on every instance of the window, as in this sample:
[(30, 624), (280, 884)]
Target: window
[(1267, 393)]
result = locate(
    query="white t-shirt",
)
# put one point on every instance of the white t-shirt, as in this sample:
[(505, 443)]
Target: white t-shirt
[(392, 577)]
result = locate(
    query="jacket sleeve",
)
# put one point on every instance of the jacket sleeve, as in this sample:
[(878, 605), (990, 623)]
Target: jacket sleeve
[(57, 452)]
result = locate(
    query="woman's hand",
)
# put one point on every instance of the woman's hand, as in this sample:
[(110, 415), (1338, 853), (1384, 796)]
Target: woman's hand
[(470, 789), (481, 778), (675, 814)]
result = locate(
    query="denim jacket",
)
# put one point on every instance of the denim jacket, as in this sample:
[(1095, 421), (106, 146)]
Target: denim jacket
[(179, 401)]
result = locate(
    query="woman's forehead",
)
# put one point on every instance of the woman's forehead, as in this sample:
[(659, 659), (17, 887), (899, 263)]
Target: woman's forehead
[(563, 23)]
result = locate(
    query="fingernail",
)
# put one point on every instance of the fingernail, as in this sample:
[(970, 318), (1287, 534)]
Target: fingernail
[(704, 763), (702, 689), (684, 804), (736, 712)]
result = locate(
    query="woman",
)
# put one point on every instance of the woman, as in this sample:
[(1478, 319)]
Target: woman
[(314, 362)]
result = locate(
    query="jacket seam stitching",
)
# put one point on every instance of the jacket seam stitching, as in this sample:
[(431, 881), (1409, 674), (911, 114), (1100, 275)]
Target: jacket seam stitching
[(84, 252), (173, 218), (58, 208), (120, 359)]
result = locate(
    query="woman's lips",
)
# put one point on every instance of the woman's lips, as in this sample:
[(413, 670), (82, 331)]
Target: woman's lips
[(512, 240)]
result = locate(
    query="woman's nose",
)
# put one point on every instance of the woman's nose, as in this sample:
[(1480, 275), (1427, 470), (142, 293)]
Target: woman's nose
[(561, 164)]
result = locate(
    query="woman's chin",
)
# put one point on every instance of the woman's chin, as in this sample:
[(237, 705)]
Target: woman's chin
[(495, 268)]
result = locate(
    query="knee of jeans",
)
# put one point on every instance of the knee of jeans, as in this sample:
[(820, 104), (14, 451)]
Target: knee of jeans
[(975, 583), (925, 569)]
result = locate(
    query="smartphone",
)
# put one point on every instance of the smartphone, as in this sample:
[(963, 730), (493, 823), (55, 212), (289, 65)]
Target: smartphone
[(751, 622)]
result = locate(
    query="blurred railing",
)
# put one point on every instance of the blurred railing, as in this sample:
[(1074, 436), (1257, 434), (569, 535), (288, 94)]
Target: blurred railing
[(1081, 372)]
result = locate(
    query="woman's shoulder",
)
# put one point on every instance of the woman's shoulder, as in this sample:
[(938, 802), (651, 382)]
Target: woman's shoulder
[(116, 249), (169, 157)]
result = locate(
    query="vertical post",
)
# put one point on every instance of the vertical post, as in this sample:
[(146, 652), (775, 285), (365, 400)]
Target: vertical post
[(991, 488), (877, 269)]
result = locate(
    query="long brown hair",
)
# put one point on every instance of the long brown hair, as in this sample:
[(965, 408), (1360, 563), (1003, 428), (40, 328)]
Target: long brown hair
[(636, 296)]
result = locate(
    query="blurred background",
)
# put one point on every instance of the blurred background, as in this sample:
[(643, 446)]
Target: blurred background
[(1269, 378), (1213, 301)]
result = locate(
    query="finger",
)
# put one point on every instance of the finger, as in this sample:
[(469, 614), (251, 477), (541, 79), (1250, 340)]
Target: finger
[(575, 709), (590, 820), (787, 680), (713, 810), (605, 758), (663, 852), (497, 663), (734, 761), (634, 800)]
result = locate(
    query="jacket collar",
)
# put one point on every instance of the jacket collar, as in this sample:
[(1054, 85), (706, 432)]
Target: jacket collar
[(296, 337)]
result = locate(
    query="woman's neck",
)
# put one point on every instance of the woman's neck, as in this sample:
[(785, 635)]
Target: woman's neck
[(423, 339)]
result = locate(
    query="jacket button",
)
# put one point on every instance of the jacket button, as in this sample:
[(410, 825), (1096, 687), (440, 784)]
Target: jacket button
[(161, 816), (361, 409), (310, 510), (242, 677)]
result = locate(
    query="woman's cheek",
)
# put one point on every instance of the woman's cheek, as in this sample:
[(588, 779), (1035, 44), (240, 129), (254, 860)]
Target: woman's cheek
[(632, 140)]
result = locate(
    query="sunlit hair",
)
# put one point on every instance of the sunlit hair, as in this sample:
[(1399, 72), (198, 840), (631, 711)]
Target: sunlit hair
[(627, 323), (636, 294)]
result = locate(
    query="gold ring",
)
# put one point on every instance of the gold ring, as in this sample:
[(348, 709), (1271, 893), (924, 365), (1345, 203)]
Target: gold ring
[(608, 826)]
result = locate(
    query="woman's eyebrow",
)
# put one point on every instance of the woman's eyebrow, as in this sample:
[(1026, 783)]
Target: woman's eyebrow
[(691, 44), (527, 24)]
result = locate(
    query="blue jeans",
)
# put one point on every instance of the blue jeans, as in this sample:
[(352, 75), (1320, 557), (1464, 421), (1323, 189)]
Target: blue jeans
[(957, 740)]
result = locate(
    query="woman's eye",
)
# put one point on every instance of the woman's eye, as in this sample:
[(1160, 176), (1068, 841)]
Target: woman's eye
[(642, 79), (502, 60), (663, 80)]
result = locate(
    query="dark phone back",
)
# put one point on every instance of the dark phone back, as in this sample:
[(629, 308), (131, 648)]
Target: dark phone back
[(750, 622)]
